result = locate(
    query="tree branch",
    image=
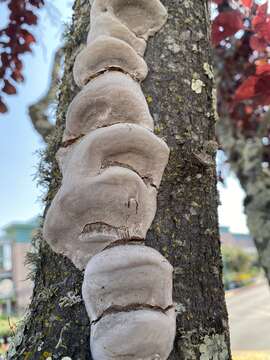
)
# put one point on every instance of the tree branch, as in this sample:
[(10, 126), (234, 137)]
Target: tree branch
[(38, 111)]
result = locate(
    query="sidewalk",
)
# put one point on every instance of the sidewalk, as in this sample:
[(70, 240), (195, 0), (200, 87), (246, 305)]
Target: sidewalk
[(251, 355), (249, 319), (259, 282)]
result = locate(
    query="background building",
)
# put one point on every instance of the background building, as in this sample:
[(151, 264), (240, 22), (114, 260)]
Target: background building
[(15, 288), (242, 241)]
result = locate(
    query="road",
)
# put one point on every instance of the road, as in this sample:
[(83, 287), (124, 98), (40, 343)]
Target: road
[(249, 316)]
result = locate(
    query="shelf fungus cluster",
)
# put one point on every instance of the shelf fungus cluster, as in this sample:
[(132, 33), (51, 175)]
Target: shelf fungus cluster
[(112, 164)]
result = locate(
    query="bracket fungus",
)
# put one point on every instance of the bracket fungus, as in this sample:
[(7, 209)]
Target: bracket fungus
[(106, 24), (112, 165), (107, 53), (122, 276), (127, 145), (139, 334), (143, 17), (117, 197), (111, 98)]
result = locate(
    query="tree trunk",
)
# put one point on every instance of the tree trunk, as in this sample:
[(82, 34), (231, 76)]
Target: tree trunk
[(179, 92), (246, 159)]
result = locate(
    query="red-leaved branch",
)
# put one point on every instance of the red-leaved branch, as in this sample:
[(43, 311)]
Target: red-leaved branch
[(15, 40), (241, 37)]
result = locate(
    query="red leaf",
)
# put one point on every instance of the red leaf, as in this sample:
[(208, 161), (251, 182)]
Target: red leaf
[(11, 31), (226, 24), (247, 89), (218, 2), (2, 72), (258, 43), (262, 69), (256, 88), (263, 29), (247, 3), (5, 59), (28, 38), (261, 14), (9, 88), (262, 89), (18, 63), (30, 18), (37, 3), (3, 108), (17, 76), (262, 9), (261, 22)]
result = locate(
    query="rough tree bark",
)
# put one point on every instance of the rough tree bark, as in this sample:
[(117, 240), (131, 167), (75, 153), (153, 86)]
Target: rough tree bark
[(246, 159), (179, 92)]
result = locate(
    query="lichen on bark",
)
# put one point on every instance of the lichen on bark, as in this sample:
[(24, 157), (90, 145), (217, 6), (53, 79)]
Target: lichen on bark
[(186, 226)]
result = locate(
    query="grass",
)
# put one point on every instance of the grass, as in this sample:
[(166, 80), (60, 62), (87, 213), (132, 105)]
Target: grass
[(8, 325)]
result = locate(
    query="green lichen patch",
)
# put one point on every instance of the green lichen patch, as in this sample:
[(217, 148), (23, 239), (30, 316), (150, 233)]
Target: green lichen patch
[(214, 348), (208, 69), (197, 85)]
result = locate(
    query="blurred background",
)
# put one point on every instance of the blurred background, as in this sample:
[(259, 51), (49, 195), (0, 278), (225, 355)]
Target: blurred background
[(247, 292)]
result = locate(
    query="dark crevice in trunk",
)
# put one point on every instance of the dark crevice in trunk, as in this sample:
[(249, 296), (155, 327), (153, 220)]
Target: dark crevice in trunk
[(132, 307)]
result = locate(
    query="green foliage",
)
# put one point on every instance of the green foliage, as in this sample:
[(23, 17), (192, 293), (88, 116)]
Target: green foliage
[(238, 260), (240, 267)]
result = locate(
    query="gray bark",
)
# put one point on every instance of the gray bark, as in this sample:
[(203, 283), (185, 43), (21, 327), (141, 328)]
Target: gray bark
[(185, 230), (246, 160)]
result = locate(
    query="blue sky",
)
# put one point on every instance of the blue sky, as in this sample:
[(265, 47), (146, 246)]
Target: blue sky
[(19, 143)]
